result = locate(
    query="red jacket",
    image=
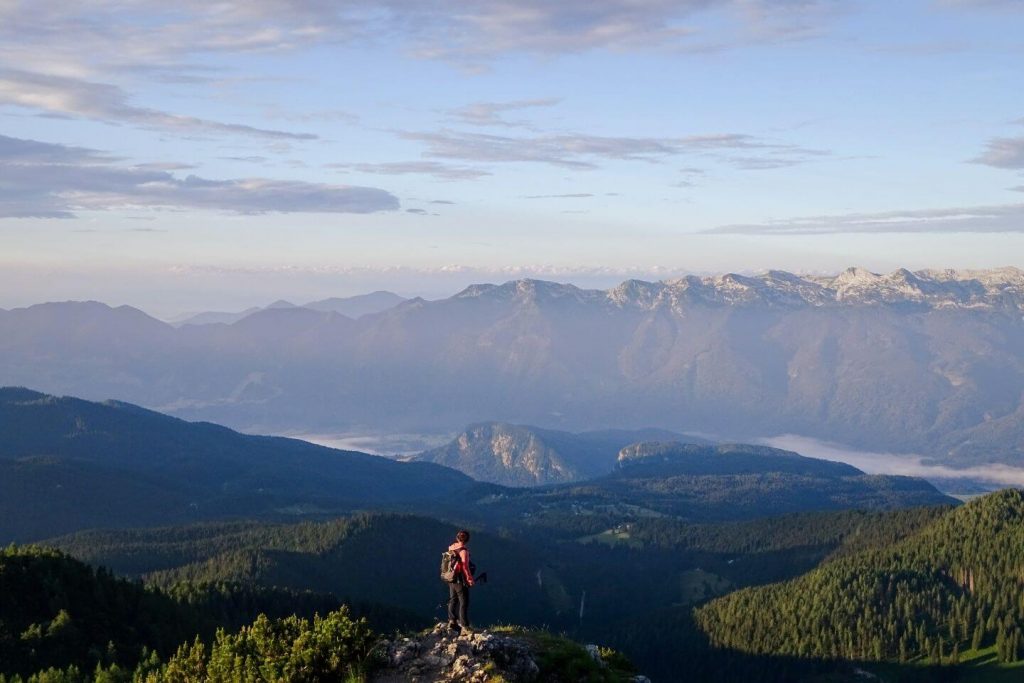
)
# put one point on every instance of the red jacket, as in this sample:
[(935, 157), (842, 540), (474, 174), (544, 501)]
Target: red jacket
[(463, 568)]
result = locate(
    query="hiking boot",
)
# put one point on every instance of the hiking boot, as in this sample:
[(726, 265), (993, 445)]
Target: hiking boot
[(453, 626), (466, 631)]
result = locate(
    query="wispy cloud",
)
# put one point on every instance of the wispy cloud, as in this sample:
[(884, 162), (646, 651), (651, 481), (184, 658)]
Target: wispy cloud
[(18, 151), (481, 30), (1003, 153), (78, 98), (582, 151), (980, 219), (253, 159), (148, 33), (432, 168), (573, 195), (492, 113), (163, 165), (45, 180), (973, 4)]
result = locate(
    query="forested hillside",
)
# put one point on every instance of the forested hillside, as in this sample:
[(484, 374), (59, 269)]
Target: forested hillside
[(387, 559), (57, 612), (62, 621), (952, 591), (708, 483), (537, 578), (68, 464)]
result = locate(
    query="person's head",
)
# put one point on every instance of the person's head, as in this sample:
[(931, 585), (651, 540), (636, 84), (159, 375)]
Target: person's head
[(462, 536)]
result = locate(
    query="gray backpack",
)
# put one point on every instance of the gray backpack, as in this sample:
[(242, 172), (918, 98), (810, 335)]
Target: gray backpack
[(450, 565), (450, 569)]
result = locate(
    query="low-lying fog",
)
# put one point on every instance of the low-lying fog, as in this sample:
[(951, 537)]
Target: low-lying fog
[(979, 477), (394, 445)]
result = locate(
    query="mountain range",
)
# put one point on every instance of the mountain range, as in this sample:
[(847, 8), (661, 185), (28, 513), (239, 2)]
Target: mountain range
[(930, 362)]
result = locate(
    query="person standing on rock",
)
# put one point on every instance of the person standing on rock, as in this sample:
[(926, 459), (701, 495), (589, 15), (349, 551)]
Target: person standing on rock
[(458, 590)]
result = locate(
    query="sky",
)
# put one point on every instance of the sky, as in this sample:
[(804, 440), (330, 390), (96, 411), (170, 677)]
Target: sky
[(203, 155)]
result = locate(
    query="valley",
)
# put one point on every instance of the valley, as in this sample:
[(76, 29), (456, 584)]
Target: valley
[(707, 525)]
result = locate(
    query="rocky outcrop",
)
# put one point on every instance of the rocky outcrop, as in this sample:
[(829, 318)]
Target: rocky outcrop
[(521, 455), (442, 655)]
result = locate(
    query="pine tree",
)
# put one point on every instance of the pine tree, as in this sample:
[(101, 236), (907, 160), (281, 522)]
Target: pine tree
[(979, 635)]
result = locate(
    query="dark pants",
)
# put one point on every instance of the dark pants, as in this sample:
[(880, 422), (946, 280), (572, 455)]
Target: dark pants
[(458, 603)]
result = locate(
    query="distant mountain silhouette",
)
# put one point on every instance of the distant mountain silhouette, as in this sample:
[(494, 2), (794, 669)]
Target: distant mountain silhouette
[(351, 307), (358, 306)]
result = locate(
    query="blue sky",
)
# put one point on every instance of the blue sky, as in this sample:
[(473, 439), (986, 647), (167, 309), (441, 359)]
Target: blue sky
[(217, 155)]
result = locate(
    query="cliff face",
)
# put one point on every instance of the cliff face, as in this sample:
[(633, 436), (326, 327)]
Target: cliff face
[(521, 455)]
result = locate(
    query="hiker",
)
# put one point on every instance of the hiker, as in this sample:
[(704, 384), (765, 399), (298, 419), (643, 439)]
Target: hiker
[(458, 589)]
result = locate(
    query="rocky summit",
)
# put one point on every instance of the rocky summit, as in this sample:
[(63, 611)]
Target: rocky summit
[(521, 455), (444, 655)]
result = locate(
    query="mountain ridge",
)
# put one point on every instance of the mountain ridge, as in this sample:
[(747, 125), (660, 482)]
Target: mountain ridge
[(992, 289), (115, 464), (350, 307)]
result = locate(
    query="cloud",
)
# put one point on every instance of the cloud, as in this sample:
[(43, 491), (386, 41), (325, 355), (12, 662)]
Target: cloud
[(44, 180), (1003, 153), (162, 38), (484, 29), (165, 166), (18, 151), (433, 168), (64, 96), (575, 195), (254, 159), (996, 4), (581, 151), (750, 163), (979, 219), (490, 113)]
